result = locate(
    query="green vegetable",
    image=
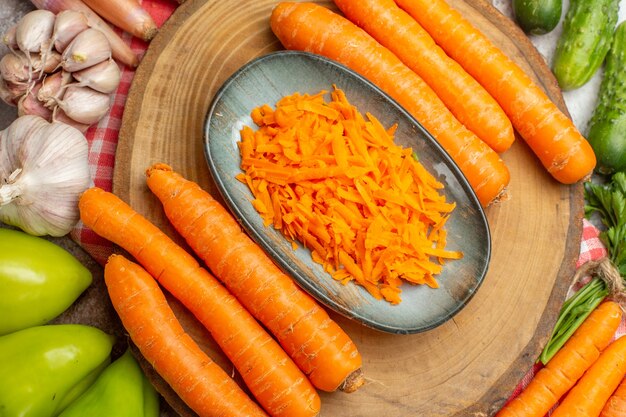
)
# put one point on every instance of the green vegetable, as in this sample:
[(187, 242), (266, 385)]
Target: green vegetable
[(38, 280), (537, 17), (586, 39), (607, 127), (44, 368), (121, 390), (609, 202)]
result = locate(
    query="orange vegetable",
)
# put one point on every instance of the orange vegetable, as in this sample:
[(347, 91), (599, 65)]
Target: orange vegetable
[(463, 95), (155, 330), (272, 377), (313, 28), (315, 342), (326, 176), (589, 395), (120, 50), (552, 136), (566, 367), (616, 405), (127, 15)]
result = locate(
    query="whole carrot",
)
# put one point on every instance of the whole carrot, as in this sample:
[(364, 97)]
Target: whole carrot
[(566, 367), (313, 28), (127, 15), (314, 341), (155, 330), (551, 135), (120, 50), (589, 395), (470, 103), (272, 377), (616, 405)]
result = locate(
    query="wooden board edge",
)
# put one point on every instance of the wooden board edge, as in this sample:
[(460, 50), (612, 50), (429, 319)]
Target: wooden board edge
[(505, 385), (132, 107)]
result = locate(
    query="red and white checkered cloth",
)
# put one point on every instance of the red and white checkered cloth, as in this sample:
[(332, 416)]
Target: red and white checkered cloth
[(103, 137), (103, 142)]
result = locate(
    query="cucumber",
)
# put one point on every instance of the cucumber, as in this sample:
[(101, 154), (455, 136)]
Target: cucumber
[(537, 17), (607, 126), (586, 38)]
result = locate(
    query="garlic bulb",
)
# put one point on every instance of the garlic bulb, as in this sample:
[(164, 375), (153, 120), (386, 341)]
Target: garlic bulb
[(43, 45), (43, 171)]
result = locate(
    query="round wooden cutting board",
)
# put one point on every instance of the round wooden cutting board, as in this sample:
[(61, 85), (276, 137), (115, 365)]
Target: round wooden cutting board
[(469, 365)]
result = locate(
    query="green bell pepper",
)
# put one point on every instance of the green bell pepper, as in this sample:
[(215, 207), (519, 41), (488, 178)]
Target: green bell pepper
[(44, 368), (121, 390), (38, 280)]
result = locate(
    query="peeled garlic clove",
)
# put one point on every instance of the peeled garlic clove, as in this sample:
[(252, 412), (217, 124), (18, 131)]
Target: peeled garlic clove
[(88, 48), (44, 169), (69, 23), (29, 104), (60, 116), (84, 104), (9, 38), (33, 29), (52, 88), (14, 68), (103, 77)]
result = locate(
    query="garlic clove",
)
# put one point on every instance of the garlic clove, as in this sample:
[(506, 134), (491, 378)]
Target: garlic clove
[(84, 104), (103, 77), (52, 62), (52, 88), (15, 90), (69, 23), (44, 169), (29, 104), (6, 95), (88, 48), (60, 116), (14, 68), (9, 38), (33, 29)]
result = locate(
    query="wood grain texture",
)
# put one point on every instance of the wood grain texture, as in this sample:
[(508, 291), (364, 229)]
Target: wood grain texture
[(468, 366)]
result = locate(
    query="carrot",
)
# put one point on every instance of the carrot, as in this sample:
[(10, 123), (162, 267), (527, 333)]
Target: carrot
[(551, 135), (463, 95), (566, 367), (314, 341), (272, 377), (589, 395), (120, 50), (616, 405), (326, 175), (155, 330), (127, 15), (313, 28)]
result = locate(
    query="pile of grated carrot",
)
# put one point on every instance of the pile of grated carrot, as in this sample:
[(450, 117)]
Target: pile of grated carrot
[(335, 181)]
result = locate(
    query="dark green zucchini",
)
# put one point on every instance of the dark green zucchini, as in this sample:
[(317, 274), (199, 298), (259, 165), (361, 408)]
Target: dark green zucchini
[(537, 17), (607, 127), (587, 30)]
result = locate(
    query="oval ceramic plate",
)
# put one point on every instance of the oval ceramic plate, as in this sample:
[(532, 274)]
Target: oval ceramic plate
[(267, 79)]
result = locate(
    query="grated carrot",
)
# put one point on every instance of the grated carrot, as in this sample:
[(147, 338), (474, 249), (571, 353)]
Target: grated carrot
[(334, 180)]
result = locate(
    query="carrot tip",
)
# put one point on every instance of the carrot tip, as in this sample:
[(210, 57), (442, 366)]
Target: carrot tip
[(353, 382)]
